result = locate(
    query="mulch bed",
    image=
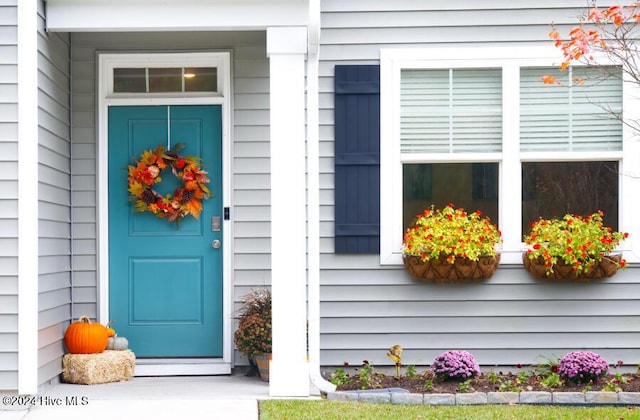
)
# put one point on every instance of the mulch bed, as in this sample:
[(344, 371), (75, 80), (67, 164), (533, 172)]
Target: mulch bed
[(486, 383)]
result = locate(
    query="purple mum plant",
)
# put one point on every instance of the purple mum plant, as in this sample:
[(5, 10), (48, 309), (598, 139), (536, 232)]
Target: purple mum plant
[(582, 367), (455, 364)]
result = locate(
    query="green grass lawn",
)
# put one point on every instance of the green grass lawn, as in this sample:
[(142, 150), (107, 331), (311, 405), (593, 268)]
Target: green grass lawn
[(327, 410)]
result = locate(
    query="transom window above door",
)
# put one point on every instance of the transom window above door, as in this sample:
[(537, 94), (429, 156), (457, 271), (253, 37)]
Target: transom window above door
[(151, 76), (165, 79)]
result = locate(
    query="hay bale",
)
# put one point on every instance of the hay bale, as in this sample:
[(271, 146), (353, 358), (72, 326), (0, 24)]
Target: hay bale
[(100, 368)]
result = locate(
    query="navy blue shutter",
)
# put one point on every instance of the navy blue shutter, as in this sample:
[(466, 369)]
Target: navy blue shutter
[(357, 159)]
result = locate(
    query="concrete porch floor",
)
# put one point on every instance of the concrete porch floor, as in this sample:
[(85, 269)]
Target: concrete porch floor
[(174, 397)]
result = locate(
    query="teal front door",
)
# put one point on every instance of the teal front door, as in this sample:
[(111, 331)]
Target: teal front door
[(165, 280)]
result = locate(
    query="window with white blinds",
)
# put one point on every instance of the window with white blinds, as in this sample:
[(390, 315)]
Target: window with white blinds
[(572, 117), (451, 110), (478, 127)]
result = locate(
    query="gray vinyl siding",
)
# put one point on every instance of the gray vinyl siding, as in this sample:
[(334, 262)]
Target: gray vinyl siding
[(251, 196), (54, 204), (250, 211), (366, 307), (8, 196)]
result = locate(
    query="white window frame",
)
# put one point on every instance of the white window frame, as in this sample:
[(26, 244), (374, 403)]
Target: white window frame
[(219, 60), (510, 59)]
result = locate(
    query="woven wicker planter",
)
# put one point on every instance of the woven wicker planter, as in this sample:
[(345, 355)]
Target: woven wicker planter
[(462, 270), (562, 271)]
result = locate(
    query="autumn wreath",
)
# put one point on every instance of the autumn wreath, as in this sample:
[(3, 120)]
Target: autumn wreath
[(186, 199)]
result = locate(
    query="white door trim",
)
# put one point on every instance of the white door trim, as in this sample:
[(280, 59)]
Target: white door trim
[(106, 98)]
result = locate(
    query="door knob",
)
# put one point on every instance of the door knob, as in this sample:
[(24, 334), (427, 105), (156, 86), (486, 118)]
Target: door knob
[(215, 243)]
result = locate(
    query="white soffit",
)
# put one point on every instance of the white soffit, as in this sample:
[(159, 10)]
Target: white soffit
[(172, 15)]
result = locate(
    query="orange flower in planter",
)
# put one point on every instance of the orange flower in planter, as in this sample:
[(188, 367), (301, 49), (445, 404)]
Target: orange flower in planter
[(575, 241), (451, 245), (451, 233)]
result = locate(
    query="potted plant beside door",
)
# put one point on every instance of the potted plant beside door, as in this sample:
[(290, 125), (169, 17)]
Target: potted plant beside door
[(253, 335)]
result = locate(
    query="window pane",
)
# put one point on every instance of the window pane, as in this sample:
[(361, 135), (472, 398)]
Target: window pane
[(165, 80), (553, 189), (129, 80), (473, 186), (572, 117), (200, 79), (451, 111)]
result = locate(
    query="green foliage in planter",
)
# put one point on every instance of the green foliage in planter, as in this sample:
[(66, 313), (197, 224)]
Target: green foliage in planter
[(451, 233), (253, 336), (580, 242)]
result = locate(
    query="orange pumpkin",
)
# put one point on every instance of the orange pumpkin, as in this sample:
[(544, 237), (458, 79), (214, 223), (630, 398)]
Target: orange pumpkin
[(86, 337), (110, 331)]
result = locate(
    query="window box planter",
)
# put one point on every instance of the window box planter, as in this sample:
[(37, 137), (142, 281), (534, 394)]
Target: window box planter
[(441, 270), (451, 245), (573, 248), (563, 271)]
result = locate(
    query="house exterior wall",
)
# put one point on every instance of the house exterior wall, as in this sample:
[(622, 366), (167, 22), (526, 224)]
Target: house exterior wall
[(54, 204), (8, 196), (250, 212), (367, 307)]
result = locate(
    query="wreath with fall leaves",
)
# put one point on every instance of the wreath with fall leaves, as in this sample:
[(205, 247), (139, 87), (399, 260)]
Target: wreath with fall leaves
[(186, 198)]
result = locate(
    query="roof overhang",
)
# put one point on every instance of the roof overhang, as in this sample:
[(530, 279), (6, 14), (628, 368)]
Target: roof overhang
[(172, 15)]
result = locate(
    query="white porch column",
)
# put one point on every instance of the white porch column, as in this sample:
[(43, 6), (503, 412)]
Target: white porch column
[(289, 372)]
